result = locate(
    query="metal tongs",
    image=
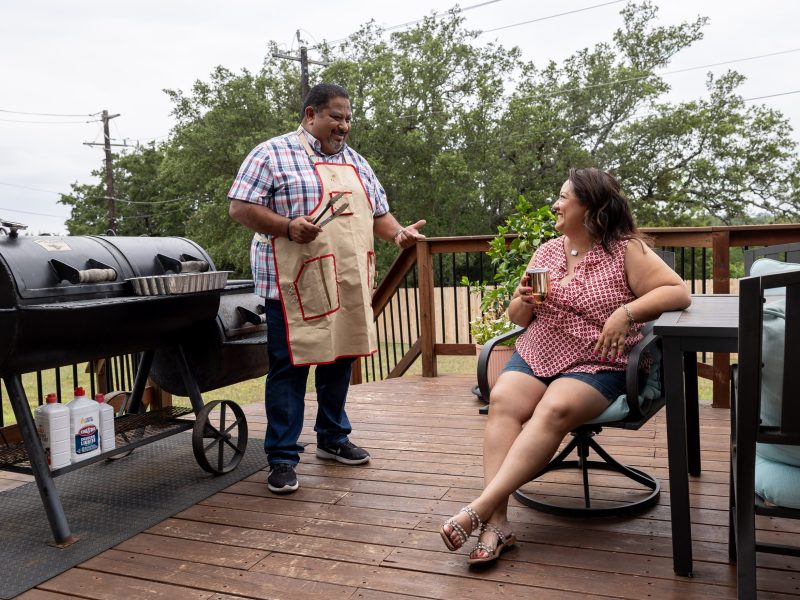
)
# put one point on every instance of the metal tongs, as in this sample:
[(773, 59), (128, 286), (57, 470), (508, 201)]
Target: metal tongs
[(335, 214), (328, 205)]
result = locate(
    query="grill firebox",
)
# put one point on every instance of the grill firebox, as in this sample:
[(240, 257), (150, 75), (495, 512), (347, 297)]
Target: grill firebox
[(67, 299)]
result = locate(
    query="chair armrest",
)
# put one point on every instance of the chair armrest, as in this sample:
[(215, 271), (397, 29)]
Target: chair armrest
[(633, 369), (483, 360)]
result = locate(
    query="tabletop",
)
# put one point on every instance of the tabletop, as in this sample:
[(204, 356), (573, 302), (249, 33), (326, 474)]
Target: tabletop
[(710, 315)]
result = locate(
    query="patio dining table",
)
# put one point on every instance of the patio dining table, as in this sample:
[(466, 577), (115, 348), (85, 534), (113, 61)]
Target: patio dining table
[(710, 324)]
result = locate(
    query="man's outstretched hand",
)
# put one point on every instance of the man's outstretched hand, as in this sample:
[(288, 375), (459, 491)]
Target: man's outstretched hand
[(408, 236)]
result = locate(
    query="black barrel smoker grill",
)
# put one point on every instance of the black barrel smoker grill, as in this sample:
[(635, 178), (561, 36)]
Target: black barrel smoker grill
[(65, 300)]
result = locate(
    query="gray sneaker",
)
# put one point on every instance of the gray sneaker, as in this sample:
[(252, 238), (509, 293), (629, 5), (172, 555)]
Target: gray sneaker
[(347, 453), (282, 479)]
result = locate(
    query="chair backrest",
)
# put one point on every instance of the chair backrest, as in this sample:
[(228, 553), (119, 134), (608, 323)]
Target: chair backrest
[(767, 417), (668, 256), (753, 353), (783, 252)]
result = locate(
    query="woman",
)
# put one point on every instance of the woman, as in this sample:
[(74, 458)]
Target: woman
[(569, 364)]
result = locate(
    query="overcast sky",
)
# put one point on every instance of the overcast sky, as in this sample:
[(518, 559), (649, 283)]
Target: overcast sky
[(82, 56)]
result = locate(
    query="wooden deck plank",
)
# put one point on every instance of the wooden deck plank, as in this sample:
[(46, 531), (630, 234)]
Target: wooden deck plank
[(371, 532), (203, 578)]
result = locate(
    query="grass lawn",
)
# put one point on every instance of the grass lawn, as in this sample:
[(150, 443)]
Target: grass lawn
[(242, 393)]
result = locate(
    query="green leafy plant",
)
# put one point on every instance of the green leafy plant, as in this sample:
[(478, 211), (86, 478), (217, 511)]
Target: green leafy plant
[(533, 227)]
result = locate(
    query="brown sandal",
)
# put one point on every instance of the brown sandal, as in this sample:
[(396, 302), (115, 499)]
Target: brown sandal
[(504, 542), (463, 534)]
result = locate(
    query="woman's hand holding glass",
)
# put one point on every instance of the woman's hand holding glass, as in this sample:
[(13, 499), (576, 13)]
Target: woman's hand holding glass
[(526, 293)]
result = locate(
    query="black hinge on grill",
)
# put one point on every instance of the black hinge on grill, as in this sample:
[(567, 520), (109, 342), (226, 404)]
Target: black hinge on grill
[(186, 264), (95, 273)]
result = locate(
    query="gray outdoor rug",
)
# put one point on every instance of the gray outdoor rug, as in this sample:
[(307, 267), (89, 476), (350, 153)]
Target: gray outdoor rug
[(106, 503)]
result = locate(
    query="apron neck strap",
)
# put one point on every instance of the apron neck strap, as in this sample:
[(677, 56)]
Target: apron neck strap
[(301, 134)]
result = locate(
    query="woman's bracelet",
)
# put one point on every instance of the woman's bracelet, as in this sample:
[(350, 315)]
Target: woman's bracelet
[(289, 229), (397, 234), (631, 320)]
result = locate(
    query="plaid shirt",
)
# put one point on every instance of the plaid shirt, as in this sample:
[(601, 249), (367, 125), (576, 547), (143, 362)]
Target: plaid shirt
[(280, 175)]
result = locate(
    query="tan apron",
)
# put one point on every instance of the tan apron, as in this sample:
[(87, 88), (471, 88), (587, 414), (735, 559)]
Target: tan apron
[(326, 285)]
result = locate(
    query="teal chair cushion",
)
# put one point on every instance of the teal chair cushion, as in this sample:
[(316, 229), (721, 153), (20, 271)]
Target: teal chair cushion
[(768, 266), (619, 409), (777, 466), (777, 482)]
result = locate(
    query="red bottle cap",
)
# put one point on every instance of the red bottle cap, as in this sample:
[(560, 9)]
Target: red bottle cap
[(52, 398), (100, 397), (79, 391)]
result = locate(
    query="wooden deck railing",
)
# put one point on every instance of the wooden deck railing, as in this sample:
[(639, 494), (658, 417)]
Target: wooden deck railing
[(423, 311)]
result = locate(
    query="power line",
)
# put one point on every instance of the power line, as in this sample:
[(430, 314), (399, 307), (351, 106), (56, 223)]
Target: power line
[(771, 95), (51, 122), (38, 214), (570, 12), (401, 25), (638, 78), (171, 201), (673, 72), (25, 187), (37, 114)]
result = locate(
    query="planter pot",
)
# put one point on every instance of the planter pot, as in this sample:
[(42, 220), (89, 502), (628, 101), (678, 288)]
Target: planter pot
[(497, 360)]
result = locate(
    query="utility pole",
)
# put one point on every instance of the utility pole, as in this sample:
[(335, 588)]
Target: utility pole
[(304, 62), (110, 198)]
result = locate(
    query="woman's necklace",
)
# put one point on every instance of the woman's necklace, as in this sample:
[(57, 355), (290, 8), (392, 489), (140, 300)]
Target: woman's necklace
[(574, 251)]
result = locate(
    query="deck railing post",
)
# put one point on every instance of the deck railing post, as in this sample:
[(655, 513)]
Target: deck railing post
[(427, 308), (721, 252)]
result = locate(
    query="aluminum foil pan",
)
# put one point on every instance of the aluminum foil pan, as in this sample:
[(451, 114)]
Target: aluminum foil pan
[(182, 283)]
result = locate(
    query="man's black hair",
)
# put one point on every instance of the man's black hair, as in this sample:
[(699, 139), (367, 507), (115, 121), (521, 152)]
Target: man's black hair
[(322, 93)]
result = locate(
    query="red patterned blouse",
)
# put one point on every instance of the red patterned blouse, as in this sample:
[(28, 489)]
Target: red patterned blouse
[(567, 325)]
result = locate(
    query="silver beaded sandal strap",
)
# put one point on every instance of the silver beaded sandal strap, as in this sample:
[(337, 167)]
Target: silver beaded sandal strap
[(500, 535), (460, 531), (475, 520)]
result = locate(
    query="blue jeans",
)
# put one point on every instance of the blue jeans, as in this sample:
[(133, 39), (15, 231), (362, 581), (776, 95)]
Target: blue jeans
[(284, 397), (609, 383)]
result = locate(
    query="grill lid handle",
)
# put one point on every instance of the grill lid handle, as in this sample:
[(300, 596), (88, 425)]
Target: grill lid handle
[(248, 316), (186, 264), (97, 272)]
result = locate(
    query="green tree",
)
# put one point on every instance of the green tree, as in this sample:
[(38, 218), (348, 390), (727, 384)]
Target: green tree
[(142, 205), (457, 130)]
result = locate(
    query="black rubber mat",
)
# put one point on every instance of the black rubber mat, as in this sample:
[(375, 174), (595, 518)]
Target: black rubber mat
[(106, 503)]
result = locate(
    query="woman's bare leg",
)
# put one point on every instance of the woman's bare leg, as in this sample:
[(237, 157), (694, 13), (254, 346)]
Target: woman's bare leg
[(565, 404), (512, 402)]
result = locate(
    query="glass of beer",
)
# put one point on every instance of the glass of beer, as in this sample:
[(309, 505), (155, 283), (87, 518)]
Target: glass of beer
[(539, 281)]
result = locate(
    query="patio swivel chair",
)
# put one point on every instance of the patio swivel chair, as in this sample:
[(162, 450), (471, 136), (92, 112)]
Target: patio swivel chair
[(765, 416), (630, 411)]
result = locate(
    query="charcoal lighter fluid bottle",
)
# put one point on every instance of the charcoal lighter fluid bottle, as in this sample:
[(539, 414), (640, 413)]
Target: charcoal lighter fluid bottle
[(84, 422), (52, 424)]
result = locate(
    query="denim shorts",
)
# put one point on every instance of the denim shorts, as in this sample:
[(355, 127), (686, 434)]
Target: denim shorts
[(609, 383)]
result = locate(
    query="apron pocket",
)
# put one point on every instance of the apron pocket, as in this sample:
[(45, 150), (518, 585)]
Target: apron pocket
[(317, 288)]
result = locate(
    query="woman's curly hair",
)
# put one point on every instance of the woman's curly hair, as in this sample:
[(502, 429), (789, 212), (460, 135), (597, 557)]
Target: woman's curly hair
[(608, 214)]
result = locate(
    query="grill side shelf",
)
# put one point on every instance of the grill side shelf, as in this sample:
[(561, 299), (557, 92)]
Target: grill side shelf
[(131, 432)]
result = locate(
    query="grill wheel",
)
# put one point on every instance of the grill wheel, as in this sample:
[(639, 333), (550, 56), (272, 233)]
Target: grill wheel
[(219, 436)]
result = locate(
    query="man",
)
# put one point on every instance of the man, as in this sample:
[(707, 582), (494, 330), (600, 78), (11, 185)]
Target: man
[(315, 205)]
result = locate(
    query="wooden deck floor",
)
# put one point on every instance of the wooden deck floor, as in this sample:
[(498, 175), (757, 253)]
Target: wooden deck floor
[(370, 532)]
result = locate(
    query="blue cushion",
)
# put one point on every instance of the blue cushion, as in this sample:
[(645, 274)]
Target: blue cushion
[(777, 482), (777, 466), (619, 409), (772, 382), (768, 266)]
